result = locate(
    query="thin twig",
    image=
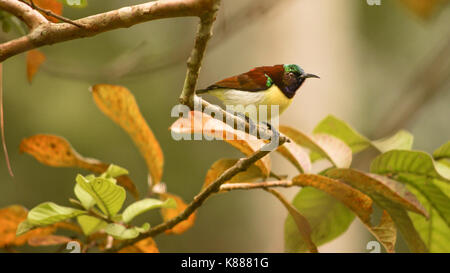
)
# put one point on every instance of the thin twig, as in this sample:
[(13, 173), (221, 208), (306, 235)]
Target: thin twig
[(251, 186), (51, 13)]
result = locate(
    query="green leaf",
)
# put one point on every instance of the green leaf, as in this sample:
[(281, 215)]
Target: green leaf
[(108, 196), (122, 233), (49, 213), (340, 129), (90, 224), (444, 161), (357, 142), (115, 171), (414, 162), (434, 195), (24, 227), (144, 205), (86, 200), (335, 150), (303, 226), (327, 217), (442, 152), (402, 140), (434, 231)]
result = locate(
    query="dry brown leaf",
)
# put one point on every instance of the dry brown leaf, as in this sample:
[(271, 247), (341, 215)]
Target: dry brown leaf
[(386, 232), (355, 200), (252, 174), (34, 60), (198, 122), (10, 218), (424, 8), (119, 104), (56, 151), (51, 5), (144, 246), (48, 240), (373, 184), (172, 213)]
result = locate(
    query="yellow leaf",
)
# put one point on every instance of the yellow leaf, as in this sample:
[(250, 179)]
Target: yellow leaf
[(144, 246), (51, 5), (198, 122), (34, 60), (56, 151), (172, 213), (10, 218), (250, 175), (119, 104)]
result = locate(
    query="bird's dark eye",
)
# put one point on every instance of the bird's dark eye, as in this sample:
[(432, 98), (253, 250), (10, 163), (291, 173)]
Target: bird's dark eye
[(291, 74)]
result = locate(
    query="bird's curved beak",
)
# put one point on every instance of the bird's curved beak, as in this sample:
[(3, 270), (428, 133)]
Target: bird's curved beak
[(307, 75)]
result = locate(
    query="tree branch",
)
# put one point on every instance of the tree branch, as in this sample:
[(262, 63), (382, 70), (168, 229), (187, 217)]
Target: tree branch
[(242, 165), (46, 33), (28, 15), (204, 33)]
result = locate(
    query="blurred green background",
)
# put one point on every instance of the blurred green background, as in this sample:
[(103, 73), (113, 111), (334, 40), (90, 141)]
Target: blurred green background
[(367, 57)]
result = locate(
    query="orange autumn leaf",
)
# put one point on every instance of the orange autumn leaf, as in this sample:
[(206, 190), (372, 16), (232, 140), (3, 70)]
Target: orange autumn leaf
[(119, 104), (10, 218), (252, 174), (48, 240), (144, 246), (56, 151), (172, 213), (34, 60), (51, 5), (198, 122)]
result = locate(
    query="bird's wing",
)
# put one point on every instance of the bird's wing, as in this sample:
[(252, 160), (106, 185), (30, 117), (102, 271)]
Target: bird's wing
[(257, 79)]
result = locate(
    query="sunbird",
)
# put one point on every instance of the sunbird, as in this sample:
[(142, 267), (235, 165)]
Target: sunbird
[(264, 85)]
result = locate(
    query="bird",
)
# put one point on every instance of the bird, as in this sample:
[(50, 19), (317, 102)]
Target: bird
[(265, 85)]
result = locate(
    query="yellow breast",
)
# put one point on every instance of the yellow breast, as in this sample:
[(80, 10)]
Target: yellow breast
[(244, 99), (274, 96)]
